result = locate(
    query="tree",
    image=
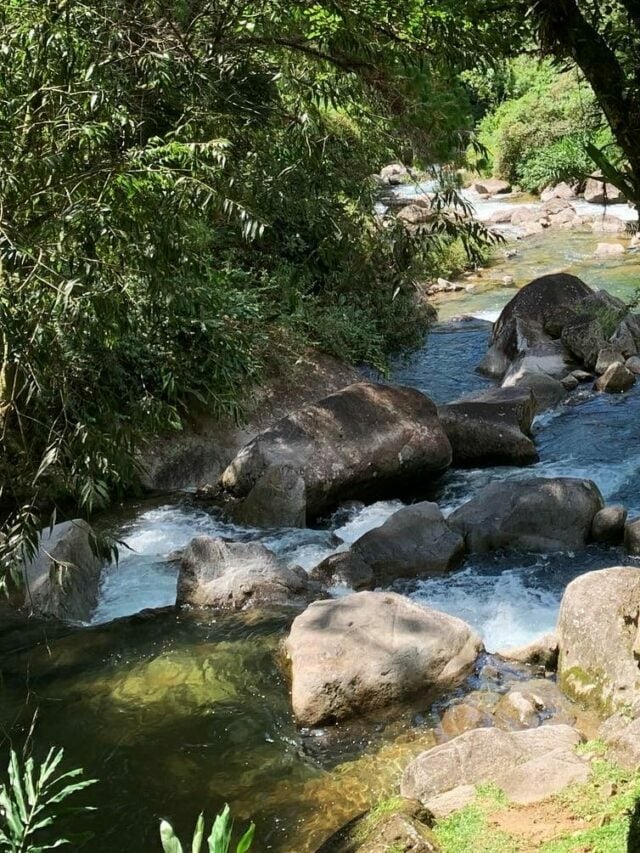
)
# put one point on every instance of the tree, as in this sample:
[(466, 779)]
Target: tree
[(603, 39), (184, 188)]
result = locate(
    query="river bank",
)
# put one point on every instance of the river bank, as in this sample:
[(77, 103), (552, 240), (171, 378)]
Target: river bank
[(192, 709)]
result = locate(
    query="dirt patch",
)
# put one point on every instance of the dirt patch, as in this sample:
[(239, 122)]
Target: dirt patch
[(537, 824)]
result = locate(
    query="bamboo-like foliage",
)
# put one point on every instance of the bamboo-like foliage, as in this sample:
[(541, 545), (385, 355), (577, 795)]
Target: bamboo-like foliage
[(182, 185)]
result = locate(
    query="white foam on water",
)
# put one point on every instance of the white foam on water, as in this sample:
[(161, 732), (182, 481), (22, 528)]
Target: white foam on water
[(503, 609), (490, 316)]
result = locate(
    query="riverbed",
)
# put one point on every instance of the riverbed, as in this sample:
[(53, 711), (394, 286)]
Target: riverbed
[(179, 712)]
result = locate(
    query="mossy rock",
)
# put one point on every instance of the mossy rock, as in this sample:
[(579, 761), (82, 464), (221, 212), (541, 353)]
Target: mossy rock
[(396, 825)]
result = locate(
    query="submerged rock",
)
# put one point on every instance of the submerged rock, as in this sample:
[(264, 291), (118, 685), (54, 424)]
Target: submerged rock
[(491, 427), (63, 580), (362, 442), (238, 576), (527, 765), (541, 652), (371, 650), (414, 542), (535, 514), (598, 639)]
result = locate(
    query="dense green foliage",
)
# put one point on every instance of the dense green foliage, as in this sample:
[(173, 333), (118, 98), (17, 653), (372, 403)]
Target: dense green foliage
[(33, 800), (539, 123), (184, 194)]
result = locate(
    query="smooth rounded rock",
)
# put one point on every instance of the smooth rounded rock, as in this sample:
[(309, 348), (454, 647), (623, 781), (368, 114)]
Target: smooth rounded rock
[(346, 568), (608, 525), (414, 542), (535, 514), (372, 650)]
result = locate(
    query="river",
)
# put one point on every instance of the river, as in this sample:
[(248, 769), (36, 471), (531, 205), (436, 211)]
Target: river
[(178, 712)]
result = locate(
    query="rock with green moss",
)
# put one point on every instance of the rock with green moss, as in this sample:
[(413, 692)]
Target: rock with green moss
[(396, 825), (599, 639)]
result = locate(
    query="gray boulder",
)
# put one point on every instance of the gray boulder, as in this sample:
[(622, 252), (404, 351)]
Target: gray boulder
[(616, 379), (632, 537), (492, 186), (608, 525), (527, 765), (521, 324), (372, 650), (346, 568), (414, 542), (598, 191), (492, 427), (363, 442), (278, 499), (598, 639), (621, 734), (535, 514), (63, 580), (608, 355), (239, 576)]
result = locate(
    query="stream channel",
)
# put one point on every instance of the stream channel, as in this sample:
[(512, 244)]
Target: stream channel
[(178, 712)]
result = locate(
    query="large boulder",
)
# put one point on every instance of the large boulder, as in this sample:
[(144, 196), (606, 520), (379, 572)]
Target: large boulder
[(522, 323), (527, 765), (363, 442), (414, 542), (492, 186), (599, 641), (372, 650), (238, 576), (63, 579), (536, 514), (491, 427), (559, 191), (598, 191), (396, 825)]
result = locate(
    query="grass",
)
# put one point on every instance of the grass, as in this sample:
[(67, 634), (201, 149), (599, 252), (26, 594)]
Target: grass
[(593, 817)]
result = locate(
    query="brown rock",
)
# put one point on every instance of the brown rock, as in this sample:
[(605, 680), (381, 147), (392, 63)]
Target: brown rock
[(541, 652), (608, 355), (344, 569), (632, 537), (528, 765), (414, 542), (492, 186), (239, 576), (598, 639), (461, 718), (608, 525), (372, 650), (633, 364), (535, 514), (615, 380), (364, 442)]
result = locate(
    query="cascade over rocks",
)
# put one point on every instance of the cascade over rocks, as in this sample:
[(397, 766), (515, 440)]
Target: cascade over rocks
[(63, 579), (491, 427), (372, 650), (599, 640), (521, 324), (535, 514), (527, 765), (414, 542), (239, 576), (363, 442)]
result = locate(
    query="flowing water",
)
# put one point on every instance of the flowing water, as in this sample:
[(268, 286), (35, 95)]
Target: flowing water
[(174, 713)]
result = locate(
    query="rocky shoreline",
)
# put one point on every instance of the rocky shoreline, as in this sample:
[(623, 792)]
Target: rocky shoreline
[(372, 650)]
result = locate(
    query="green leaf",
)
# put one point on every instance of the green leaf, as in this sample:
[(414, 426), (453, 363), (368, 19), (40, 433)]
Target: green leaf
[(247, 840), (170, 842), (198, 835)]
